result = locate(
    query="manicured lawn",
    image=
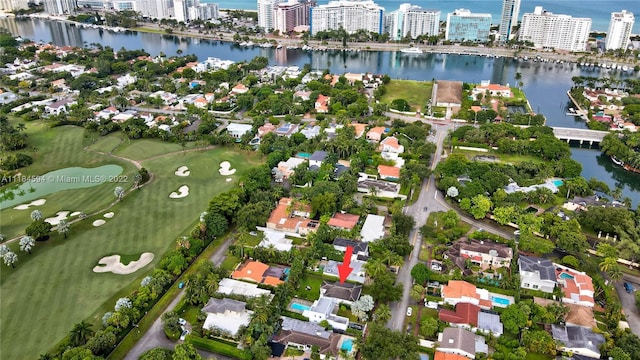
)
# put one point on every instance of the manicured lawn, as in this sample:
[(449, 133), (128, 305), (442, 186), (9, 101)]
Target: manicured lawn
[(250, 240), (145, 148), (54, 287), (315, 282), (190, 314), (417, 93), (106, 144), (534, 356), (230, 262)]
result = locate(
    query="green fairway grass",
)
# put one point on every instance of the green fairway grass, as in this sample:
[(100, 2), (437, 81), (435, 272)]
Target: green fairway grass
[(417, 93), (55, 287)]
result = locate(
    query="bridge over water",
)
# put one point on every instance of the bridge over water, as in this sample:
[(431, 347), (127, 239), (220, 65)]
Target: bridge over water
[(580, 135)]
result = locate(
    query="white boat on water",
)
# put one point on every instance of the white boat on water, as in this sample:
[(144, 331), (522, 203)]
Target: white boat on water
[(279, 46), (616, 161), (411, 50)]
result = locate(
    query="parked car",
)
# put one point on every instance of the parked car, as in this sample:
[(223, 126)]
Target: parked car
[(409, 311), (182, 321), (628, 287), (184, 335), (356, 326), (253, 233)]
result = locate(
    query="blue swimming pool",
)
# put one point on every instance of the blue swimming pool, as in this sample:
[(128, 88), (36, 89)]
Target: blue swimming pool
[(566, 276), (304, 155), (557, 182), (300, 307), (500, 301), (347, 345)]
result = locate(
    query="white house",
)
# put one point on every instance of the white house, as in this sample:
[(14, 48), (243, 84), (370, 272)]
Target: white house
[(326, 309), (227, 315), (229, 286), (126, 80), (537, 274), (317, 158), (59, 107), (275, 238), (578, 340), (390, 144), (373, 228), (237, 130)]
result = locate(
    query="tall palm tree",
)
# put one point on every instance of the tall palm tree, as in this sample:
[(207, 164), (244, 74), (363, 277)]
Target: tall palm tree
[(608, 263), (382, 313), (36, 215), (80, 333), (375, 268), (63, 227), (10, 259), (27, 243)]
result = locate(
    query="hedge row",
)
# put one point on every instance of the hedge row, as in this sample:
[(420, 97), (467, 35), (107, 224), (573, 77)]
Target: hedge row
[(217, 347)]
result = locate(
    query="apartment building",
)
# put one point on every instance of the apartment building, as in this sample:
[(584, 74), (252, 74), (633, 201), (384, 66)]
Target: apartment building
[(551, 31)]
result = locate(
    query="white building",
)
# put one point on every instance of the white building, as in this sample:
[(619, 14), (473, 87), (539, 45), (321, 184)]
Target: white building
[(57, 7), (619, 30), (180, 10), (289, 15), (413, 20), (373, 228), (204, 12), (227, 315), (155, 9), (10, 5), (265, 13), (547, 30), (509, 18), (236, 130), (326, 309), (349, 15)]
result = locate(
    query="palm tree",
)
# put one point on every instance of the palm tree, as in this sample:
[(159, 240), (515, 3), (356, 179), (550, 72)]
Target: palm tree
[(27, 243), (375, 268), (36, 215), (608, 263), (10, 259), (63, 227), (382, 313), (118, 192), (80, 333)]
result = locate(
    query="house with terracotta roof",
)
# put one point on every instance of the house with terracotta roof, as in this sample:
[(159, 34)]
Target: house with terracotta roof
[(576, 286), (257, 272), (343, 221), (387, 172), (292, 216), (487, 88), (265, 129), (322, 104), (439, 355), (239, 89), (471, 317), (459, 291), (201, 103), (390, 144), (375, 134), (359, 129)]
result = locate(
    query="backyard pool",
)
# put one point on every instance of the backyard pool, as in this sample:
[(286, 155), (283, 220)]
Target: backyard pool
[(566, 276), (304, 155), (347, 345), (300, 307), (557, 182), (500, 301)]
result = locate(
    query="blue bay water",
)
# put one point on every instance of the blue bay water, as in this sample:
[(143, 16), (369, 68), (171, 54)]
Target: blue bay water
[(598, 10)]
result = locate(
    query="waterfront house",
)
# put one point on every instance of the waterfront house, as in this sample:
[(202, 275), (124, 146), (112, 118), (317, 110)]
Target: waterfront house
[(487, 88), (537, 274), (448, 94), (226, 315)]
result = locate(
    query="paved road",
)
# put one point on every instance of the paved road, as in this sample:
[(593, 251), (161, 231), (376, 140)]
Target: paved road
[(628, 302), (155, 336)]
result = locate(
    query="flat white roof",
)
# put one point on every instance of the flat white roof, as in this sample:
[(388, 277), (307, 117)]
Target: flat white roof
[(229, 321), (235, 287), (373, 228), (277, 239)]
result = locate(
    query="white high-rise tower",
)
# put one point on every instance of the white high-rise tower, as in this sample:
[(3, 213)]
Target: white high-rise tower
[(509, 19), (619, 30)]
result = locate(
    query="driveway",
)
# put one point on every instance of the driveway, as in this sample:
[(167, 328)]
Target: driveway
[(155, 337), (628, 302)]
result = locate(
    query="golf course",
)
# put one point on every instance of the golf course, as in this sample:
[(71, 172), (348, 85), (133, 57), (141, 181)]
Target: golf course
[(55, 286)]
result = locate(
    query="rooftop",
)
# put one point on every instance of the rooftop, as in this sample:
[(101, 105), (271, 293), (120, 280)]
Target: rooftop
[(346, 291), (543, 267)]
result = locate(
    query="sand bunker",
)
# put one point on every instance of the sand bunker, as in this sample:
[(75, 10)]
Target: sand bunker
[(38, 202), (225, 169), (109, 215), (60, 215), (99, 222), (75, 213), (182, 171), (183, 191), (229, 179), (112, 264)]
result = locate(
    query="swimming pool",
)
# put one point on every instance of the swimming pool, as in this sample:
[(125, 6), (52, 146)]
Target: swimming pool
[(498, 301), (557, 182), (300, 307), (566, 276), (304, 155), (347, 345)]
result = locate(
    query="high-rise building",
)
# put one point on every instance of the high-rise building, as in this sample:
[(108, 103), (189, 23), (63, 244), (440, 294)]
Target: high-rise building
[(155, 9), (509, 18), (122, 5), (266, 12), (463, 25), (11, 5), (289, 15), (350, 15), (204, 12), (180, 12), (412, 20), (550, 31), (58, 7), (619, 30), (95, 4)]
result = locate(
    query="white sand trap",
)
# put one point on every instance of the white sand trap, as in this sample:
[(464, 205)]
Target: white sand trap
[(60, 215), (75, 213), (99, 222), (229, 179), (112, 264), (109, 215), (225, 169), (38, 202), (182, 171), (183, 191)]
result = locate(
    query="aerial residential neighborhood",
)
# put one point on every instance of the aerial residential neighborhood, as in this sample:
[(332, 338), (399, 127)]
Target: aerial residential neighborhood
[(171, 207)]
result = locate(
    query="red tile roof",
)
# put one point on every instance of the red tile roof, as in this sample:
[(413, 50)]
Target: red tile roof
[(466, 313), (389, 171), (344, 221)]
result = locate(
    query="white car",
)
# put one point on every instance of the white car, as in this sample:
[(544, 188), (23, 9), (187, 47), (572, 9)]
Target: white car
[(184, 335), (409, 311), (182, 321)]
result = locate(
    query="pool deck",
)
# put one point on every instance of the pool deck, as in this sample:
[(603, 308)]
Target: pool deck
[(496, 304), (298, 301)]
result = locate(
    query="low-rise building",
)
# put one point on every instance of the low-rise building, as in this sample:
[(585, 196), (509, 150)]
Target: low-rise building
[(326, 308), (343, 293), (343, 221), (373, 228), (537, 274), (59, 107), (258, 272), (303, 335), (487, 88), (460, 342), (375, 134), (577, 286), (486, 254), (236, 130), (292, 216), (287, 168), (578, 340), (228, 286), (226, 315), (459, 291)]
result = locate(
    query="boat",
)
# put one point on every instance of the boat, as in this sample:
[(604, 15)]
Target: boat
[(279, 46), (250, 43), (616, 161), (266, 45), (411, 50)]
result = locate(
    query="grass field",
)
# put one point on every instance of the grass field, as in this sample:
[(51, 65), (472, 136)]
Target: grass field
[(417, 93), (54, 288)]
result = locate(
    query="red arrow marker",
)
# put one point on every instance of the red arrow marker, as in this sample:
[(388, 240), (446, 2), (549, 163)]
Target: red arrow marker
[(344, 270)]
